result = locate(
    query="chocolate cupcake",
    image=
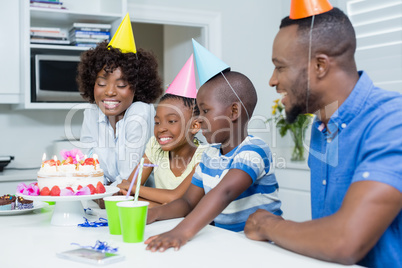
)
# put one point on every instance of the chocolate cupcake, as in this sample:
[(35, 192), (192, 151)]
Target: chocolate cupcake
[(24, 203), (7, 202)]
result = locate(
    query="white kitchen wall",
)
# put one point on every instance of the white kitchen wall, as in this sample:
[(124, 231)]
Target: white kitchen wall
[(27, 134)]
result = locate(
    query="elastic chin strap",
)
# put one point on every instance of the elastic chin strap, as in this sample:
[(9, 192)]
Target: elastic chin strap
[(237, 96), (309, 62)]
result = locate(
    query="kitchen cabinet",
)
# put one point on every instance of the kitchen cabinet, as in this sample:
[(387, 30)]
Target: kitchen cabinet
[(294, 191), (10, 52), (89, 11)]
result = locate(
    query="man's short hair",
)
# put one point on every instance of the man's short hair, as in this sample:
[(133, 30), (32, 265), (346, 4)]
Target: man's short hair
[(332, 34)]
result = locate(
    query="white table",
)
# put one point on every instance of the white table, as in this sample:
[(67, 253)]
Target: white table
[(29, 240)]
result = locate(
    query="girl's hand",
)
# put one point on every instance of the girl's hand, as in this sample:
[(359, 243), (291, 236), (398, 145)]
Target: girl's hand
[(124, 186), (172, 239)]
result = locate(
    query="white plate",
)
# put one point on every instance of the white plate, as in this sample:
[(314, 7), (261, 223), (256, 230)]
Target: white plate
[(109, 191), (36, 205)]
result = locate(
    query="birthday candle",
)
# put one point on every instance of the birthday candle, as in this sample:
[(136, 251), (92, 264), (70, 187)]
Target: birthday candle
[(43, 159), (95, 157), (77, 158), (55, 160)]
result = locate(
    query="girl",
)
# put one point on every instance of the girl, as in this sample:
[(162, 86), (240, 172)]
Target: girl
[(122, 87), (174, 150)]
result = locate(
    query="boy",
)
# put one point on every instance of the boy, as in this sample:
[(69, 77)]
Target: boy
[(233, 179)]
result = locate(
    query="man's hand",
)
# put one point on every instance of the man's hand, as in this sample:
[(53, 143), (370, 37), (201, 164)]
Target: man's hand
[(172, 239), (258, 223), (346, 236)]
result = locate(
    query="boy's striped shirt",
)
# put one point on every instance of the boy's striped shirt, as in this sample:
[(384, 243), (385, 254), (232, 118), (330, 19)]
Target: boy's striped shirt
[(253, 156)]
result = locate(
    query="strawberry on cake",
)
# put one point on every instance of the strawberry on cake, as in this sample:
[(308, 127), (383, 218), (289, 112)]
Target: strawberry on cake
[(71, 176)]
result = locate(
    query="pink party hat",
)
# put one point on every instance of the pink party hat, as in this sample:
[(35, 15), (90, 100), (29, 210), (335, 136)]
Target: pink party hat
[(184, 83), (208, 65)]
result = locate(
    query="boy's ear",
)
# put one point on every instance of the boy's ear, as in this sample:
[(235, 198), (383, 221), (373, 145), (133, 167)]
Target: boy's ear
[(235, 111), (195, 126)]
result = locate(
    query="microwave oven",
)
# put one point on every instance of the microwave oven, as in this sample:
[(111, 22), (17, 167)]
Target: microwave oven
[(54, 79)]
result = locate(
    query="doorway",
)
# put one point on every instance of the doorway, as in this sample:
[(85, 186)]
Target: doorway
[(168, 33), (171, 45)]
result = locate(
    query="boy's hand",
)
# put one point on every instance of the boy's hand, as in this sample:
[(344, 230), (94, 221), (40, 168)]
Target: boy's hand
[(172, 239), (151, 216)]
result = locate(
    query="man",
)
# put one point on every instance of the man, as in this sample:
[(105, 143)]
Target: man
[(355, 152)]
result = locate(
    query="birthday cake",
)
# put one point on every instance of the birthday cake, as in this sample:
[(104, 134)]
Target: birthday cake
[(71, 176)]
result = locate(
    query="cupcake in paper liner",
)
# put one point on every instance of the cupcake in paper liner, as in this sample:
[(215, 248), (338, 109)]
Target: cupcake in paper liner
[(7, 202), (24, 203)]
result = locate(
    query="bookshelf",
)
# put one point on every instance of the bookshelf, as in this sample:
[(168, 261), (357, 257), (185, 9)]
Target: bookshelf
[(88, 11)]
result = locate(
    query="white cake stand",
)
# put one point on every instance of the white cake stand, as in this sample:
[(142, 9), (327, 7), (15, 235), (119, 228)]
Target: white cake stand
[(68, 210)]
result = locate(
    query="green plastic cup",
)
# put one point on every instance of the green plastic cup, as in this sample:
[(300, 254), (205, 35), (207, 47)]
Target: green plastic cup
[(113, 212), (133, 218)]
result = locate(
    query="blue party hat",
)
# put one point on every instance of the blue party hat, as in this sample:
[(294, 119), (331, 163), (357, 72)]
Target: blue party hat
[(208, 65)]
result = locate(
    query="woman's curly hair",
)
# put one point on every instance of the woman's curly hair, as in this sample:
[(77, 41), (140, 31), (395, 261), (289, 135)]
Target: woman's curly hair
[(139, 70)]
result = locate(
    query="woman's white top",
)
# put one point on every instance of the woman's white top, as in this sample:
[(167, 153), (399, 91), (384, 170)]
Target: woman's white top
[(118, 153)]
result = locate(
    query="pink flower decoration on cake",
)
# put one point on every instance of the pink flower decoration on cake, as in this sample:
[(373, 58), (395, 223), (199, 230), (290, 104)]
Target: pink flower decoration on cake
[(21, 187), (31, 189), (83, 191), (73, 153), (66, 192)]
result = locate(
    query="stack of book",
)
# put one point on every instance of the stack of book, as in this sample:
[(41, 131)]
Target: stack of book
[(48, 35), (56, 4), (89, 34)]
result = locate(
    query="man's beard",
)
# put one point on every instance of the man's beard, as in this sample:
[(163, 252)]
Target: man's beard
[(302, 104), (292, 115)]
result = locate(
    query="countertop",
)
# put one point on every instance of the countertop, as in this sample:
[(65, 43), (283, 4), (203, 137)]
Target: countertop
[(8, 175)]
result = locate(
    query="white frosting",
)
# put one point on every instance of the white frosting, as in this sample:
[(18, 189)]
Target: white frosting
[(48, 169), (89, 169), (67, 176), (70, 168)]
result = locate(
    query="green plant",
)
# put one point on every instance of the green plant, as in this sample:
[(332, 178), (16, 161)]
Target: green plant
[(297, 129)]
